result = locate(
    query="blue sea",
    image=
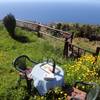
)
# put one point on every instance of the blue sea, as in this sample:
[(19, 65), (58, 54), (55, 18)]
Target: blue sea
[(50, 12)]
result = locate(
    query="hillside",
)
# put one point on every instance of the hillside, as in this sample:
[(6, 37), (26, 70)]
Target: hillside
[(37, 49), (82, 34)]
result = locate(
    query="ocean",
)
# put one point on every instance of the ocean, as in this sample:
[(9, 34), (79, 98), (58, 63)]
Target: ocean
[(46, 12)]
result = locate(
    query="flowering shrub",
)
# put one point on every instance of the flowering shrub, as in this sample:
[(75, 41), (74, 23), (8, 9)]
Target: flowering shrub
[(55, 94), (82, 69)]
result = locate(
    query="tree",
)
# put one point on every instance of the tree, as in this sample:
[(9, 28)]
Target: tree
[(39, 34), (68, 27), (57, 33), (9, 22), (59, 25), (64, 27)]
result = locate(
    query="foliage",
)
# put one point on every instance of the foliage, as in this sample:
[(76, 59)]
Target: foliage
[(58, 26), (10, 24), (83, 69), (38, 49), (80, 30)]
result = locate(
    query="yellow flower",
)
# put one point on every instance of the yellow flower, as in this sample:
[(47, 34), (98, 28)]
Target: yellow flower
[(65, 94), (59, 98), (61, 92), (42, 97)]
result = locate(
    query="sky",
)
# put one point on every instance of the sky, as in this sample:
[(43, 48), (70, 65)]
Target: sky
[(90, 1)]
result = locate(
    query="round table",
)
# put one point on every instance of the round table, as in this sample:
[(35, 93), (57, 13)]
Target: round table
[(41, 83)]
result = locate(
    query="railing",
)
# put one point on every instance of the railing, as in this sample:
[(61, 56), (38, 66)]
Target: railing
[(69, 49), (39, 28)]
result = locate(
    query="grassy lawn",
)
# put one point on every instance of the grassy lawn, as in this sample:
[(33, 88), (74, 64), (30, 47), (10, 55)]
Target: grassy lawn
[(37, 49)]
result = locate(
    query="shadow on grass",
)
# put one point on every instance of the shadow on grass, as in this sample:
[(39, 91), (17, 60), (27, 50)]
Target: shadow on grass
[(22, 39)]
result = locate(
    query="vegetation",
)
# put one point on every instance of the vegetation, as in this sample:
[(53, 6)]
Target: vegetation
[(10, 24), (39, 49), (83, 69), (80, 30)]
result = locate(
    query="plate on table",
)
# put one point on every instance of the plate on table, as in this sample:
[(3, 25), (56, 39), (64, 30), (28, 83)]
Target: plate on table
[(49, 68)]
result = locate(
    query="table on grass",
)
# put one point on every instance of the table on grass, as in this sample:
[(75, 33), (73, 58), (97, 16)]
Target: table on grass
[(44, 79)]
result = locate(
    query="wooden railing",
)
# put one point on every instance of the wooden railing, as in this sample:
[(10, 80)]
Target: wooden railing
[(69, 49), (39, 28), (74, 51)]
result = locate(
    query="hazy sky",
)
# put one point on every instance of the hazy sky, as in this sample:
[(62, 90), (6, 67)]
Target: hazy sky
[(90, 1)]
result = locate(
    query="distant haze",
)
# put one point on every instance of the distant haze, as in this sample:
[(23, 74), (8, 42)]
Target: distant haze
[(89, 1), (45, 12)]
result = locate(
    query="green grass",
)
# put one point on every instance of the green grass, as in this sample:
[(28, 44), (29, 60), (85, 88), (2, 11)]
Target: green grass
[(37, 49), (86, 44)]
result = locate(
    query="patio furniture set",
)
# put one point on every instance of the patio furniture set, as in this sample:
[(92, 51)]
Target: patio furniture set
[(47, 75)]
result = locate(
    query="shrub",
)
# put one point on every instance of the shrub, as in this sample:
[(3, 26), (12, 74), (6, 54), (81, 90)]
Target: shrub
[(82, 69), (10, 24)]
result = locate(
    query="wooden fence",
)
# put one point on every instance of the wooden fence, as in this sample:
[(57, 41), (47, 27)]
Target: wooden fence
[(39, 28), (69, 50), (74, 51)]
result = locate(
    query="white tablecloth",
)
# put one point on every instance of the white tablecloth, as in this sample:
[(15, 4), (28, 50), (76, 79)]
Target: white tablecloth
[(44, 85)]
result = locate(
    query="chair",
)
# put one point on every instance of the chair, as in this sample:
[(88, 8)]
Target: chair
[(78, 94), (21, 65)]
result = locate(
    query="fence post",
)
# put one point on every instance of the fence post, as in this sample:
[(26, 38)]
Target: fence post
[(38, 31), (65, 51), (78, 53), (72, 37), (72, 49), (96, 54)]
